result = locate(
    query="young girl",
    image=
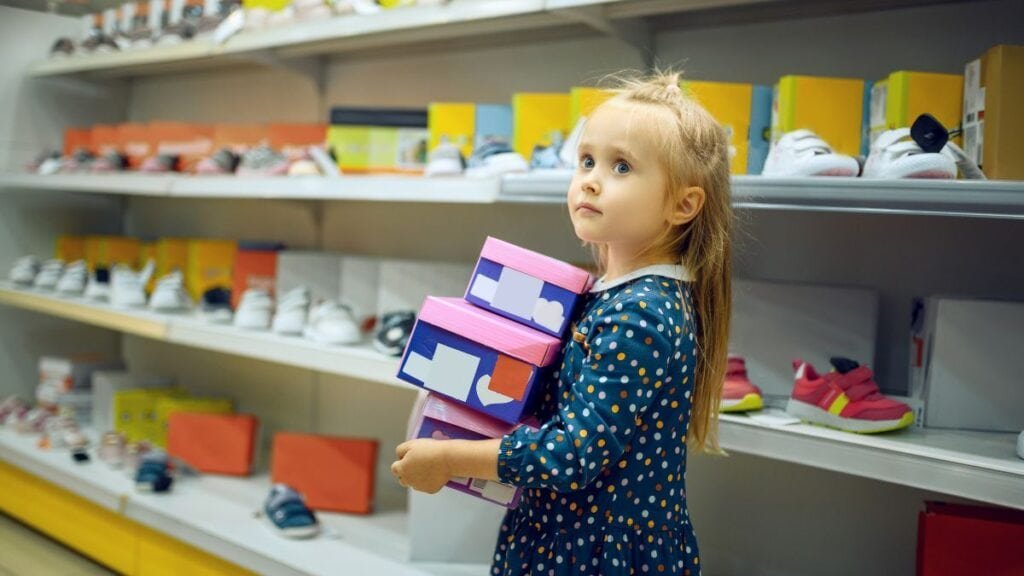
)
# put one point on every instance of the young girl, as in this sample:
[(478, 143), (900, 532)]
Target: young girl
[(641, 376)]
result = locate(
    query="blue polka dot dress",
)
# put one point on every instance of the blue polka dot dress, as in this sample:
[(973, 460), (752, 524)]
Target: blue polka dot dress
[(604, 476)]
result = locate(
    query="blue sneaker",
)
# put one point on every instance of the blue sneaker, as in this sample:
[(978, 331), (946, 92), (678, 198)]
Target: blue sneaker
[(153, 474), (288, 514)]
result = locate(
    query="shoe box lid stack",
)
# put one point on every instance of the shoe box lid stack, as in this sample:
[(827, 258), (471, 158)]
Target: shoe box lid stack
[(480, 356)]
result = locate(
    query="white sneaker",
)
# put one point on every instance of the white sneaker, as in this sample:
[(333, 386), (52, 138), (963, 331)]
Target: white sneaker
[(128, 287), (24, 270), (48, 275), (170, 295), (445, 160), (98, 286), (894, 154), (494, 158), (803, 153), (72, 281), (292, 311), (332, 323), (254, 310)]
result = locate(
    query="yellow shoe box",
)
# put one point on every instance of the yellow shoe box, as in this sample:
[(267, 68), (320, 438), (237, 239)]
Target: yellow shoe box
[(108, 251), (583, 100), (832, 108), (898, 99), (167, 405), (70, 248), (993, 115), (537, 118), (453, 122), (210, 264), (731, 104), (135, 411)]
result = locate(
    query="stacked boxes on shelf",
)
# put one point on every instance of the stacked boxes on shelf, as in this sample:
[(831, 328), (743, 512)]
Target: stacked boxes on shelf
[(486, 351)]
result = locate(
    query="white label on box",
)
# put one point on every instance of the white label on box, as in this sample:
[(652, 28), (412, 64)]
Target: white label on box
[(487, 396), (493, 491), (450, 372), (484, 288), (879, 98), (517, 293), (110, 21)]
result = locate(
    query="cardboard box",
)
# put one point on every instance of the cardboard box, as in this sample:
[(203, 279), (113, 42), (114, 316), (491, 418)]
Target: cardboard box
[(493, 123), (135, 411), (972, 364), (210, 265), (774, 324), (454, 123), (760, 129), (538, 118), (105, 139), (76, 371), (379, 140), (106, 383), (292, 140), (333, 474), (535, 290), (213, 443), (898, 99), (109, 251), (168, 405), (735, 107), (480, 359), (135, 142), (169, 254), (190, 142), (405, 284), (835, 109), (238, 137), (77, 139), (955, 539), (360, 287), (583, 100), (69, 248), (440, 419), (993, 117), (318, 271), (254, 268)]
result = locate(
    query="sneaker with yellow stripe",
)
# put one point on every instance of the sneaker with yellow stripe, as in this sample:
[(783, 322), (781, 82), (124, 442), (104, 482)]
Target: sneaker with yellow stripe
[(847, 399), (739, 394)]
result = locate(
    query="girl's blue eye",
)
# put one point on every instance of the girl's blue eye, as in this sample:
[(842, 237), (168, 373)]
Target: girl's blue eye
[(587, 162), (621, 168)]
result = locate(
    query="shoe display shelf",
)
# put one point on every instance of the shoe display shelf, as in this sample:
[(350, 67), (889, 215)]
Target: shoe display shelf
[(974, 465), (986, 199), (205, 525)]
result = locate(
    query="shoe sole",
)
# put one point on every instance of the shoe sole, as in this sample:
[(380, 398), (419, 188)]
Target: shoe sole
[(814, 415), (747, 403), (303, 533)]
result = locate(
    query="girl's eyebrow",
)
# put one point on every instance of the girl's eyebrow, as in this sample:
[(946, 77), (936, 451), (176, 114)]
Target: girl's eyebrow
[(614, 150)]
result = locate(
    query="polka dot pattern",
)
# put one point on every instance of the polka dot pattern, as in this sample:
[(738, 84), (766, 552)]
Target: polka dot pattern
[(604, 475)]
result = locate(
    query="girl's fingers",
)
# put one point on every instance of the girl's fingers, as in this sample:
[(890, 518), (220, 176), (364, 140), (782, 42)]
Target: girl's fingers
[(403, 449)]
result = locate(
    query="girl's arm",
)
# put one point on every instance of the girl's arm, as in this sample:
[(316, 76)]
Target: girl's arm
[(427, 465)]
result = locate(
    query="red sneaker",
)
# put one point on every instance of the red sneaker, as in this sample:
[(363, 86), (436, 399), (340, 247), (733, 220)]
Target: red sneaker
[(738, 393), (846, 399)]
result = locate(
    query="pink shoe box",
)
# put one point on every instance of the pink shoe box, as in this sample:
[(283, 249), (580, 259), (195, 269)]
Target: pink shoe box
[(443, 419), (535, 290), (486, 362)]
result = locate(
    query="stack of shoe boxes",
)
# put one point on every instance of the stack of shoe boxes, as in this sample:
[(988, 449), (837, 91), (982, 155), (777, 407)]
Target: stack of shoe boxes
[(482, 357)]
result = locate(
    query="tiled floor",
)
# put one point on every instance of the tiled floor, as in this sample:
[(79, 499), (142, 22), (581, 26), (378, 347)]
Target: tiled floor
[(25, 552)]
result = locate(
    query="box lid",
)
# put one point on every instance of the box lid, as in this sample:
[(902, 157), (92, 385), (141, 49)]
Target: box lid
[(537, 265), (458, 316)]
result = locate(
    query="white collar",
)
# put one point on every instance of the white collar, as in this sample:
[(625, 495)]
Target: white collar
[(674, 271)]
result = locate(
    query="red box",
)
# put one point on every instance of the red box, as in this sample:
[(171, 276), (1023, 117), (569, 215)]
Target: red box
[(213, 443), (253, 269), (333, 474), (956, 539), (77, 138)]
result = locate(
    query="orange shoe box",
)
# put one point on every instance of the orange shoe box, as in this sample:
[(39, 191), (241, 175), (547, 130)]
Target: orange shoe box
[(253, 269), (293, 139), (77, 138), (238, 137), (333, 474), (135, 143), (213, 443), (190, 142), (105, 139)]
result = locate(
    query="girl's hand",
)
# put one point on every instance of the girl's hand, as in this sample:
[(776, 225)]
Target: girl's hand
[(422, 465)]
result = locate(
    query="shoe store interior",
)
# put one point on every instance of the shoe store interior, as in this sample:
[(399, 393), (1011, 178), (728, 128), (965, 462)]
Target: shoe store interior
[(511, 287)]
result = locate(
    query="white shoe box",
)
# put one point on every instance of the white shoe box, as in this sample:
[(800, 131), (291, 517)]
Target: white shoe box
[(973, 365), (318, 271), (774, 324), (74, 372), (405, 284), (106, 383), (360, 285)]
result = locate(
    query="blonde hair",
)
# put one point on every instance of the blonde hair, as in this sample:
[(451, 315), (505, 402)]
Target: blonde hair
[(695, 152)]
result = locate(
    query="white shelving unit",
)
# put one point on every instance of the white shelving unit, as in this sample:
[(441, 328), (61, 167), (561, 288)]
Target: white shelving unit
[(215, 514), (974, 465), (190, 330), (985, 199)]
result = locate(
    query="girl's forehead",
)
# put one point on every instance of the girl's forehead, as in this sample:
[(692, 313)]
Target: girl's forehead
[(631, 124)]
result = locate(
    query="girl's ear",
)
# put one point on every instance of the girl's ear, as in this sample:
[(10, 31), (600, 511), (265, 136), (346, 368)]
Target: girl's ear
[(687, 205)]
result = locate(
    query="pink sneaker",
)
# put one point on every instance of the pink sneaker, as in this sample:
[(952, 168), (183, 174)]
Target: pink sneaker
[(738, 393), (846, 399)]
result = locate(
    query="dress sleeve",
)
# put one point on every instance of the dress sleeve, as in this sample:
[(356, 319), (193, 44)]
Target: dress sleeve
[(630, 348)]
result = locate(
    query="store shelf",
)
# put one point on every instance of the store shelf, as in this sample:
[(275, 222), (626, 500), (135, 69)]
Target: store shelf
[(359, 361), (216, 514), (977, 465), (958, 198)]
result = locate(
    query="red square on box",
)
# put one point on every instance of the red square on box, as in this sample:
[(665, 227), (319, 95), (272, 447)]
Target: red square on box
[(213, 443), (956, 539), (333, 474)]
